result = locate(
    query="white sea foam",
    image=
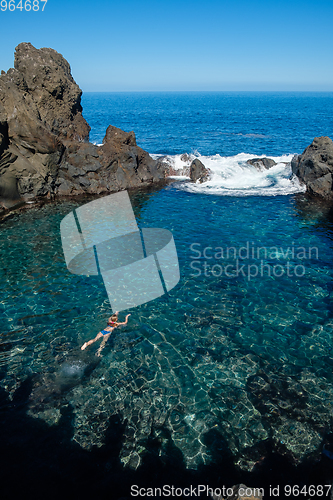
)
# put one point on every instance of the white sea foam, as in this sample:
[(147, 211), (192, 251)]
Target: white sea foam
[(232, 176)]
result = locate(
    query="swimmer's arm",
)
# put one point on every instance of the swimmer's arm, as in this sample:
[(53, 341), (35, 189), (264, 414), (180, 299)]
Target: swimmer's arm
[(125, 322)]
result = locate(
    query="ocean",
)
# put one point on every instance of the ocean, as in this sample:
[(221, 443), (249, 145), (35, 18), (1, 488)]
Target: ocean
[(226, 374)]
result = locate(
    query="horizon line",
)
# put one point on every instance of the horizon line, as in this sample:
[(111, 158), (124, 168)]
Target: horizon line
[(193, 91)]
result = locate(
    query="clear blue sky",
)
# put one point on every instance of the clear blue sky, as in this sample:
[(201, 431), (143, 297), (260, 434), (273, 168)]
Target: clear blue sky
[(182, 45)]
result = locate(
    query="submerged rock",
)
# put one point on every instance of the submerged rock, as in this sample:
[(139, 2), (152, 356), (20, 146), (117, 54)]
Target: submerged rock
[(44, 139), (314, 167), (262, 163), (198, 171)]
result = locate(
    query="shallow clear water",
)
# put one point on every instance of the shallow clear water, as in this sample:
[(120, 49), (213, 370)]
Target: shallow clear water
[(249, 356), (242, 345)]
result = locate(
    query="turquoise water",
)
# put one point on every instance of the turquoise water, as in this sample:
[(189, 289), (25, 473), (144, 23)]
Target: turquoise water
[(241, 346), (248, 356)]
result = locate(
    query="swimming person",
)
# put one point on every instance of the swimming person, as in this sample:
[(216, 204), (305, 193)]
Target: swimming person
[(105, 334)]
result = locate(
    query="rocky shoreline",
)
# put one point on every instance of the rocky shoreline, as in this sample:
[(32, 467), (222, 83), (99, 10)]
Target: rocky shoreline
[(45, 151), (44, 140)]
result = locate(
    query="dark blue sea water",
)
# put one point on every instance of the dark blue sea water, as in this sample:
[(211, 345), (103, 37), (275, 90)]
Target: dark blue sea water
[(225, 123), (241, 348)]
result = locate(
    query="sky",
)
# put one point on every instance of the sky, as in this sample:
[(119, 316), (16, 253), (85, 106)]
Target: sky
[(178, 45)]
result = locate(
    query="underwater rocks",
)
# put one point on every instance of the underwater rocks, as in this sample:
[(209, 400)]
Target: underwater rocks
[(314, 167), (44, 139), (262, 163), (198, 171)]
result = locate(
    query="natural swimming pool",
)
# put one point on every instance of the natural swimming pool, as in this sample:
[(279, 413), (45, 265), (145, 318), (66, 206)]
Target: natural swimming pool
[(245, 351)]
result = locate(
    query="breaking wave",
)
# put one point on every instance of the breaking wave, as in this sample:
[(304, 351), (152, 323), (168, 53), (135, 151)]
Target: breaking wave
[(233, 176)]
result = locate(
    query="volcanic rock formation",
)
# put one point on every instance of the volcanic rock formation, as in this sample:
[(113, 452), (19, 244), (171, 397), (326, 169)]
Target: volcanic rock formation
[(44, 139), (262, 163), (314, 167), (198, 171)]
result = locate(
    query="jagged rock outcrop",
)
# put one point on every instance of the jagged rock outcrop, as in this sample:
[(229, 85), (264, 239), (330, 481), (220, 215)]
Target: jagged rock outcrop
[(118, 164), (314, 167), (262, 163), (198, 171), (127, 161), (44, 148)]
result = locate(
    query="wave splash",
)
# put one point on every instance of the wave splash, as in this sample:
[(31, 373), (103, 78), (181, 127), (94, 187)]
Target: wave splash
[(232, 176)]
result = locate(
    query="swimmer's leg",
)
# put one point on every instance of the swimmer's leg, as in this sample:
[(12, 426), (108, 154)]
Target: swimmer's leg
[(101, 347), (86, 344)]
